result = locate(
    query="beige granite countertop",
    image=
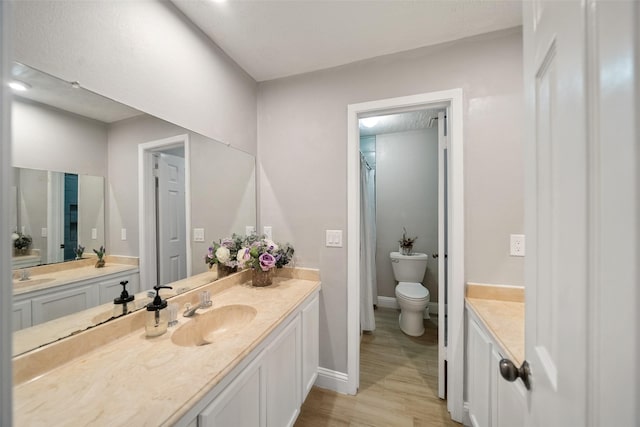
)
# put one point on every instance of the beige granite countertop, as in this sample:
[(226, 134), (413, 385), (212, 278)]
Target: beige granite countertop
[(134, 380), (62, 273), (501, 310)]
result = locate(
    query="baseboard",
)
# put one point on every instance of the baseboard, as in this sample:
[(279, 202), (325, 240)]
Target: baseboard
[(332, 380), (390, 302)]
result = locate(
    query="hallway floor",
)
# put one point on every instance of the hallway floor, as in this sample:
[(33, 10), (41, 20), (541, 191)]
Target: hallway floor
[(398, 383)]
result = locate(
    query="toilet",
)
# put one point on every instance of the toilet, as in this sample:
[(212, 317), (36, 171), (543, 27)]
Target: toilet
[(411, 296)]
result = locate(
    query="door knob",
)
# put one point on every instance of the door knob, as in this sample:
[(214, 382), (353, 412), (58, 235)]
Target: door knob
[(510, 373), (435, 255)]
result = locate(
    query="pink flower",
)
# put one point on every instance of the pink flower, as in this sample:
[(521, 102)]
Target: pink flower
[(267, 261)]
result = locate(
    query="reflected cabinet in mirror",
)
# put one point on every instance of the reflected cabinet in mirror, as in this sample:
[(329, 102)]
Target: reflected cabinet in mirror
[(90, 172)]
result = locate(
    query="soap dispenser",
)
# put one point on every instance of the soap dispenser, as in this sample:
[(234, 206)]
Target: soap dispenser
[(157, 314), (124, 303)]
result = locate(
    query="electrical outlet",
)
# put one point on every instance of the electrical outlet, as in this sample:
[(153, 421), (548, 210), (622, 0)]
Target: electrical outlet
[(123, 234), (198, 234), (268, 231), (94, 233), (249, 230), (517, 245)]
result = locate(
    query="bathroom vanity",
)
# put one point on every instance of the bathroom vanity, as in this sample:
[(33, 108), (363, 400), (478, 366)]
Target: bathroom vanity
[(254, 370), (495, 330)]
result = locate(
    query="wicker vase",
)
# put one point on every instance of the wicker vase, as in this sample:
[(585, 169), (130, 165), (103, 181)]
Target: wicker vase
[(224, 270), (406, 250), (100, 263), (262, 278)]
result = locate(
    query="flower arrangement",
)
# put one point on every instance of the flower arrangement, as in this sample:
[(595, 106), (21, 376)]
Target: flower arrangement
[(79, 251), (100, 253), (21, 242), (406, 243), (253, 251), (226, 252), (265, 254)]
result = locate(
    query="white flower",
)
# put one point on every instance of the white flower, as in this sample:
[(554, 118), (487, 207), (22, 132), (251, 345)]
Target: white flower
[(223, 254), (15, 236), (243, 257), (271, 245)]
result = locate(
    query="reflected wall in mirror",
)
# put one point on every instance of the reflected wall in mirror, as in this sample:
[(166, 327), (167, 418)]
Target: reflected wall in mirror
[(59, 211), (58, 126)]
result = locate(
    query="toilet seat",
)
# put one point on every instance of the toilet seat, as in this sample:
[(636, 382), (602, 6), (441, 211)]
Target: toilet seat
[(412, 291)]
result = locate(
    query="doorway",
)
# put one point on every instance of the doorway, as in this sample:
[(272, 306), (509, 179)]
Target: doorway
[(451, 357), (164, 213)]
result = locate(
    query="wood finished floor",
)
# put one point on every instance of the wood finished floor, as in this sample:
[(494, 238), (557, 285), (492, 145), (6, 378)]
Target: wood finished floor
[(398, 383)]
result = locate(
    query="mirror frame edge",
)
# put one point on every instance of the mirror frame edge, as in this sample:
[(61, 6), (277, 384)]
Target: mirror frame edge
[(6, 292)]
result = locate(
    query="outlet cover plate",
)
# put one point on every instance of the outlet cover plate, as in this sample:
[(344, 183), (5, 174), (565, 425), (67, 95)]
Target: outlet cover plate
[(517, 245)]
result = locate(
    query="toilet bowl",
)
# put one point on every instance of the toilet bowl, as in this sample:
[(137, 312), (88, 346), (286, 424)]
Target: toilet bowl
[(413, 299), (411, 296)]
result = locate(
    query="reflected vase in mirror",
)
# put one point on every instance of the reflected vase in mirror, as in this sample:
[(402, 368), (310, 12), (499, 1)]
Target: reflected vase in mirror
[(224, 271)]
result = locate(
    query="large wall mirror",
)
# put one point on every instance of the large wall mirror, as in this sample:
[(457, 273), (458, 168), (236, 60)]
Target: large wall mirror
[(78, 180)]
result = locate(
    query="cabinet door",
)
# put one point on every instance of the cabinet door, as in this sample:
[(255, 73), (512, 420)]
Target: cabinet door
[(508, 398), (62, 303), (478, 368), (310, 345), (242, 403), (21, 315), (283, 377)]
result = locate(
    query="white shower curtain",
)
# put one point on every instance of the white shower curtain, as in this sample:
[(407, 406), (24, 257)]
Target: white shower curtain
[(368, 284)]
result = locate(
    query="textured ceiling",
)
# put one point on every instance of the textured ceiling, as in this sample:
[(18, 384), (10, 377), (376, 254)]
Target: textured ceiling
[(271, 39)]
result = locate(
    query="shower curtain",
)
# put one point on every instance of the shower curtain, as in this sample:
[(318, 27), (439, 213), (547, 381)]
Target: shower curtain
[(368, 284)]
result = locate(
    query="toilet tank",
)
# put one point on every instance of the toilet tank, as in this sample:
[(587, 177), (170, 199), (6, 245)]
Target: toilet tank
[(409, 268)]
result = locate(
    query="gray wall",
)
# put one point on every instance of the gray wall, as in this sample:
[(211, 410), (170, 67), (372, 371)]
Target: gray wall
[(406, 196), (43, 137), (302, 138), (145, 54)]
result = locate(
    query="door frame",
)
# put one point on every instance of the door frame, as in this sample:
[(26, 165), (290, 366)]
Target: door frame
[(455, 350), (146, 203)]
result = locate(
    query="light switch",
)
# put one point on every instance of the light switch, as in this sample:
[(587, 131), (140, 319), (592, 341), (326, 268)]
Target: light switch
[(198, 234), (249, 230), (94, 233), (123, 234), (268, 232), (334, 238), (43, 232)]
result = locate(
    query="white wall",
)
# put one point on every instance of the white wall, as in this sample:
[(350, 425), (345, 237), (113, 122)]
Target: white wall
[(142, 53), (47, 138), (406, 196), (302, 138)]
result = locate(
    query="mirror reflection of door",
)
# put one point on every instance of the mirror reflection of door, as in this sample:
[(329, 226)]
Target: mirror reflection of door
[(70, 215), (171, 241)]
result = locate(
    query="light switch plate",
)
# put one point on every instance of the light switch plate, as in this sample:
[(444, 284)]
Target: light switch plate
[(249, 230), (334, 238), (268, 231), (517, 245), (198, 234), (123, 234), (43, 232)]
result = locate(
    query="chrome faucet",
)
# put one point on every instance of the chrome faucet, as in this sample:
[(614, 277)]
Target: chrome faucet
[(205, 301)]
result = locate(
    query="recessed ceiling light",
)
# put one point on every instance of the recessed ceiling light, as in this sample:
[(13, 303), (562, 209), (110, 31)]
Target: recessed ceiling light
[(19, 86), (370, 122)]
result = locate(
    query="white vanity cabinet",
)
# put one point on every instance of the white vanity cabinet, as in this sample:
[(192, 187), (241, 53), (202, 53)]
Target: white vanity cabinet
[(43, 305), (491, 400), (268, 387)]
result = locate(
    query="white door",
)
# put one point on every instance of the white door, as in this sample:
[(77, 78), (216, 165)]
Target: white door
[(442, 253), (172, 245), (556, 208), (581, 219)]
